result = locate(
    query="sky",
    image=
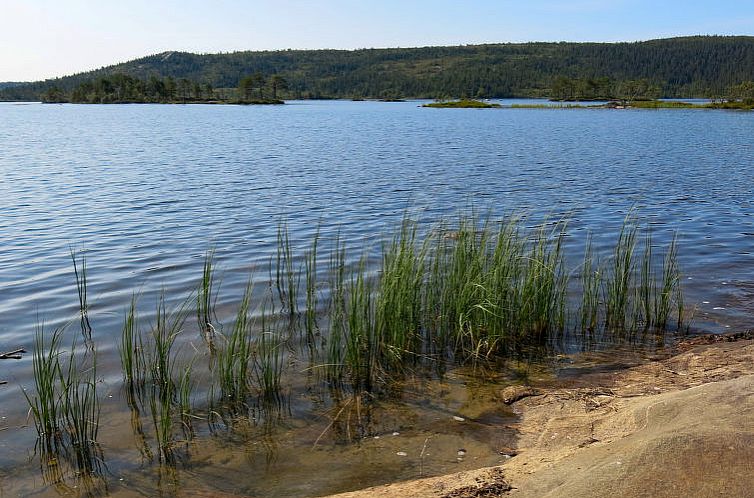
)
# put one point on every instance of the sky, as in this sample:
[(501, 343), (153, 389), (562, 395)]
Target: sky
[(48, 38)]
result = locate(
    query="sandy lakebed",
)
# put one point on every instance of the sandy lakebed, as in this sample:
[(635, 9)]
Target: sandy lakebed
[(677, 426)]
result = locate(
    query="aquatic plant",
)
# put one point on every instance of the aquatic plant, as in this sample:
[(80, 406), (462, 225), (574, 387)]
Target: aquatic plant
[(45, 403), (619, 281), (268, 361), (131, 348), (235, 354), (310, 269), (65, 405), (79, 270), (591, 285), (206, 297), (287, 278)]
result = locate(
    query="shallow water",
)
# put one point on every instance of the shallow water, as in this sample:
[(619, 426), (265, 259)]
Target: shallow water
[(147, 189)]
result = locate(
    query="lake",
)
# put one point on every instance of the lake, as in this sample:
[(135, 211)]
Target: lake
[(146, 190)]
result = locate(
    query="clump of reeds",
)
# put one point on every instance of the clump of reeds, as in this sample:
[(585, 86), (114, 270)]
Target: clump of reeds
[(131, 349), (65, 405), (398, 307), (591, 284), (269, 360), (235, 354), (45, 403), (618, 286)]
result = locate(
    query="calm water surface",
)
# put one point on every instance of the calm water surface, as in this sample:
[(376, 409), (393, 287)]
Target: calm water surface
[(145, 190)]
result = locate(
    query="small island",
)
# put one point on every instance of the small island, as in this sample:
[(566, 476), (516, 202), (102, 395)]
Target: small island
[(254, 89), (463, 104)]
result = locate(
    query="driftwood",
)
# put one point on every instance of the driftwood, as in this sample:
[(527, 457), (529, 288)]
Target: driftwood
[(12, 355)]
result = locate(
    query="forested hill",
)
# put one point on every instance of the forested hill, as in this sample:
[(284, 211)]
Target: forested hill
[(697, 66)]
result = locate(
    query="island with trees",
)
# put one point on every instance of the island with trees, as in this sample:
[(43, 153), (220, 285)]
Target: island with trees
[(121, 88)]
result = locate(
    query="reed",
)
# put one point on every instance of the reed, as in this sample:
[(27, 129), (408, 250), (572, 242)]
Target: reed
[(361, 339), (287, 278), (591, 284), (398, 305), (81, 410), (65, 405), (647, 285), (162, 411), (206, 298), (670, 287), (269, 361), (235, 354), (164, 333), (131, 348), (337, 330), (45, 403), (619, 282), (186, 385), (310, 268), (79, 271)]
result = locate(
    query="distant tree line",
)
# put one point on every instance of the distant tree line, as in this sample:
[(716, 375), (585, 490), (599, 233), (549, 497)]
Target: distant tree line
[(604, 88), (700, 66), (122, 88)]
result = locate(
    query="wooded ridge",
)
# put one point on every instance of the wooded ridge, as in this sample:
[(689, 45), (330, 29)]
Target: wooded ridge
[(698, 66)]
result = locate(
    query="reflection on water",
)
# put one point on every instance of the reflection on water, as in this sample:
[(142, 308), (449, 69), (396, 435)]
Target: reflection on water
[(145, 191)]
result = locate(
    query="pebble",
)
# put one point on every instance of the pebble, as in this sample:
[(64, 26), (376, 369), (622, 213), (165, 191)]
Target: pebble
[(396, 434), (402, 453), (461, 452), (458, 419)]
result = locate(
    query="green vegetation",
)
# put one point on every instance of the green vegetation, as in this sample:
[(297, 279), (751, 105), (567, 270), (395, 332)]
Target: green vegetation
[(65, 405), (743, 105), (79, 271), (474, 291), (120, 88), (463, 104), (670, 68)]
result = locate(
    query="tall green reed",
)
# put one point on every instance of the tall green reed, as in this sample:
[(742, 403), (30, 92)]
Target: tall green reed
[(235, 355), (79, 270), (206, 298)]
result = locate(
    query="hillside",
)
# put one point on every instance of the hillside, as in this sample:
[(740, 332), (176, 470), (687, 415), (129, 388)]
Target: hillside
[(678, 67)]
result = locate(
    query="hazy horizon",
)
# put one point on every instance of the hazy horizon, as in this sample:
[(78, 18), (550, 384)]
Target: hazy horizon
[(43, 39)]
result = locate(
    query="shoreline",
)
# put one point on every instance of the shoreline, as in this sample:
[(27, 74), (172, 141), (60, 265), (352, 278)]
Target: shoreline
[(678, 426)]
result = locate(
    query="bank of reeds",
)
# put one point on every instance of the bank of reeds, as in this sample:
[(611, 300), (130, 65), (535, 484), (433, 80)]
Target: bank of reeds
[(488, 290), (472, 290)]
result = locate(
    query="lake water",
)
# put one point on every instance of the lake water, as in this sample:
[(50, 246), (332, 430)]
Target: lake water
[(146, 190)]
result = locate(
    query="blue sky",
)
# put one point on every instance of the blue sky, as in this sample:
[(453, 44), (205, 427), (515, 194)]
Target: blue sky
[(47, 38)]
